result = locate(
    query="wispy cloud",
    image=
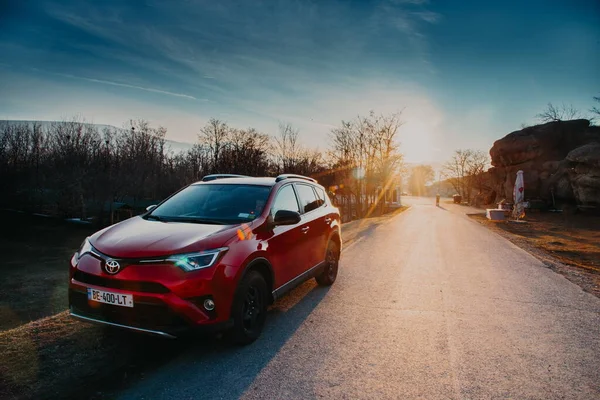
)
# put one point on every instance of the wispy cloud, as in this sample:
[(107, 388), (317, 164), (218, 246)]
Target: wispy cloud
[(104, 82), (428, 16), (413, 2)]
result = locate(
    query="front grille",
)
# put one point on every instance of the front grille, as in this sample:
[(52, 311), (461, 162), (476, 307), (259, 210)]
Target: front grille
[(141, 315), (134, 286)]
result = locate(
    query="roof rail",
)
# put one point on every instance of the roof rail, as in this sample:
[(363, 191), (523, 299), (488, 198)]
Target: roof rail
[(293, 176), (213, 177)]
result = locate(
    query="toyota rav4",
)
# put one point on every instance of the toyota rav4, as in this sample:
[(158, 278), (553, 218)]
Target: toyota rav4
[(213, 255)]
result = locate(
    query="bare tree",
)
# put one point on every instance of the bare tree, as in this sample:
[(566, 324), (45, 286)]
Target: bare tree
[(477, 164), (287, 149), (246, 153), (465, 170), (215, 135), (456, 169), (365, 152), (387, 159), (558, 113), (595, 110)]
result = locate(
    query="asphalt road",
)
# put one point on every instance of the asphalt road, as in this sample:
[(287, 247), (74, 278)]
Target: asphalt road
[(430, 305)]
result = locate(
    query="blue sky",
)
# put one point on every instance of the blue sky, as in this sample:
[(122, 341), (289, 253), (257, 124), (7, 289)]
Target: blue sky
[(464, 72)]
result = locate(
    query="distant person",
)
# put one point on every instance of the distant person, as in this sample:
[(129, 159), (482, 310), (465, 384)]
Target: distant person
[(437, 200)]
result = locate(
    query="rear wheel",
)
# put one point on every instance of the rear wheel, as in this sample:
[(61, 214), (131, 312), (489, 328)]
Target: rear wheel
[(249, 309), (332, 259)]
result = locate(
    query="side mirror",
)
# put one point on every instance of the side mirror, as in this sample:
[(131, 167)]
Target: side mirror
[(150, 208), (286, 217)]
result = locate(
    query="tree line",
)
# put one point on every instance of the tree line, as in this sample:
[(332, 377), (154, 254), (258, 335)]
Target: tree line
[(72, 169), (463, 174)]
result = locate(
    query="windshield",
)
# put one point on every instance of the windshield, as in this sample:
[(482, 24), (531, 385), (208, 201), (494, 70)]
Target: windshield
[(214, 203)]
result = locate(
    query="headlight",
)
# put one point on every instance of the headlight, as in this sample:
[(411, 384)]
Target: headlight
[(195, 261)]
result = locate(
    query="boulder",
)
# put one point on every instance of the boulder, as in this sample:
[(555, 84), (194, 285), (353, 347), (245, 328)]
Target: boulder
[(556, 158), (540, 143), (584, 173), (558, 184), (588, 154)]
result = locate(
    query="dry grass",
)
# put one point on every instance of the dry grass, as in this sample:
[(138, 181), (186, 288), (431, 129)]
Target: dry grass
[(572, 240), (39, 358), (58, 357), (34, 270)]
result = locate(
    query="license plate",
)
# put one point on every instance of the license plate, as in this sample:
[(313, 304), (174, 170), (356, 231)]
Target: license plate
[(117, 299)]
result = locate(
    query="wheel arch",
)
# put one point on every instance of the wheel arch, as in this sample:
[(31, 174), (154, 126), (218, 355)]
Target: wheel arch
[(336, 238), (262, 266)]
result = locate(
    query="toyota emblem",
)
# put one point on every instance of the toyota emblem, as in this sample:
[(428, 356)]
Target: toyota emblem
[(112, 267)]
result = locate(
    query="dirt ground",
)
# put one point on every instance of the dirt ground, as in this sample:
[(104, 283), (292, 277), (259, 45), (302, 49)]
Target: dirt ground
[(567, 243), (58, 357)]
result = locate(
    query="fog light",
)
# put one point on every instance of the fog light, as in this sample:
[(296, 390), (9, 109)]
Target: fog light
[(209, 305)]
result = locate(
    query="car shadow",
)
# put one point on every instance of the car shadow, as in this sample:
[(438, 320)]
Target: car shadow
[(204, 365)]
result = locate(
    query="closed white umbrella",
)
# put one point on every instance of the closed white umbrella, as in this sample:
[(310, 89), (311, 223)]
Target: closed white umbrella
[(519, 196)]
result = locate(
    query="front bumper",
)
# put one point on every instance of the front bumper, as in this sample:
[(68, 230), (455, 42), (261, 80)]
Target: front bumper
[(167, 302), (148, 318), (128, 327)]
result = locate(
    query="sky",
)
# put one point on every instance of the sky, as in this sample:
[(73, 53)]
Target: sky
[(463, 73)]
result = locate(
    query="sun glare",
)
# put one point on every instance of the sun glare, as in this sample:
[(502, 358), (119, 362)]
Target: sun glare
[(417, 146)]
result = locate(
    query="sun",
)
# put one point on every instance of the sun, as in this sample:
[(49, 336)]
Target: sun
[(417, 144)]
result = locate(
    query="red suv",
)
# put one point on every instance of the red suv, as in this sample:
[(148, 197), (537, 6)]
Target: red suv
[(213, 255)]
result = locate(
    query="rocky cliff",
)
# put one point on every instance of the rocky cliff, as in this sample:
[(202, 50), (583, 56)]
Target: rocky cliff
[(561, 157)]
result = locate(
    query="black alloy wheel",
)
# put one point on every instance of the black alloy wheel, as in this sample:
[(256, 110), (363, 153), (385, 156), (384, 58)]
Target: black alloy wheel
[(249, 309)]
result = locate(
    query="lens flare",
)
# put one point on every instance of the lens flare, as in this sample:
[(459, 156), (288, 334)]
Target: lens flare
[(244, 233)]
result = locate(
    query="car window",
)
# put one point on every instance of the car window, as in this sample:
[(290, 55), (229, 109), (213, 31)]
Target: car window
[(285, 200), (321, 195), (216, 202), (308, 198)]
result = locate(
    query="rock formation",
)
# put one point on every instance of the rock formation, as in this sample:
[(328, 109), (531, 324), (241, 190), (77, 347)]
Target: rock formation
[(559, 158), (584, 173)]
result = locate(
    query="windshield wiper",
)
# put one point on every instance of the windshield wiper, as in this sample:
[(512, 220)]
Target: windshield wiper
[(198, 220), (154, 217)]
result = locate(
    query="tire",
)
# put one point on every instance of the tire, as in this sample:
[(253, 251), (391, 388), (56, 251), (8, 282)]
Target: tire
[(332, 259), (249, 309)]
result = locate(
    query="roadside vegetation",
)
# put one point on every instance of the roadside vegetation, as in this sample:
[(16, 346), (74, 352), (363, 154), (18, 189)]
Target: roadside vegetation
[(71, 169)]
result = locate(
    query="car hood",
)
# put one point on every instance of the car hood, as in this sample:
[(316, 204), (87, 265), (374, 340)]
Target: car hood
[(138, 238)]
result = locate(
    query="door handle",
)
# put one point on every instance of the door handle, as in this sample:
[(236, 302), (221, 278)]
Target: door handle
[(305, 229), (327, 220)]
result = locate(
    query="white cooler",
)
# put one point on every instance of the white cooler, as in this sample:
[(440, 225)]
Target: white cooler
[(494, 214)]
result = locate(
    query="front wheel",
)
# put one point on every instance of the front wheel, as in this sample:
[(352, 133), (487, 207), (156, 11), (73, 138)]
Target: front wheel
[(249, 310), (332, 260)]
